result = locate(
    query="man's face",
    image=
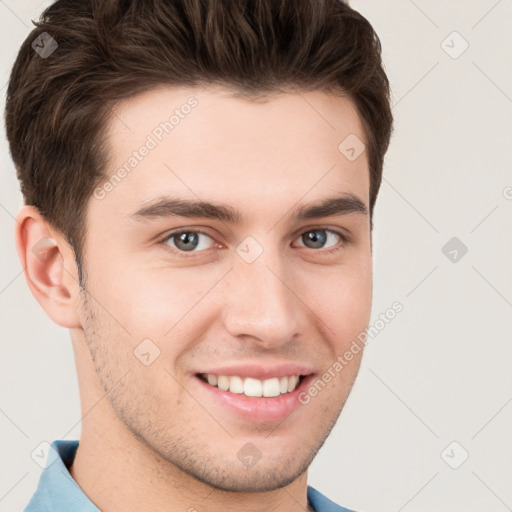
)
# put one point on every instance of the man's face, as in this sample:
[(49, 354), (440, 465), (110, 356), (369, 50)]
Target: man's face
[(266, 297)]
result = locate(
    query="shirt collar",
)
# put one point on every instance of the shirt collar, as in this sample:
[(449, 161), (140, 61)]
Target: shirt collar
[(57, 491)]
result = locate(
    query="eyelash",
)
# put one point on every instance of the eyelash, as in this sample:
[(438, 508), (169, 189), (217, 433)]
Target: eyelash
[(344, 239)]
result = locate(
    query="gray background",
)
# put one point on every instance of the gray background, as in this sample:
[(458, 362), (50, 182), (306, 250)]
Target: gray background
[(440, 371)]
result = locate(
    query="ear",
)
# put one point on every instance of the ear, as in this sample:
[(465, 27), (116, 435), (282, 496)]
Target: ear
[(49, 265)]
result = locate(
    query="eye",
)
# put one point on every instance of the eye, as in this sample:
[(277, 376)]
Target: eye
[(318, 238), (195, 241), (188, 241)]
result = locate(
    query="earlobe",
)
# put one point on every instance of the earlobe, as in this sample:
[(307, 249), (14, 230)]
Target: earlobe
[(49, 267)]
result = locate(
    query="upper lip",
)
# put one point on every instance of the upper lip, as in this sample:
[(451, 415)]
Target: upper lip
[(260, 371)]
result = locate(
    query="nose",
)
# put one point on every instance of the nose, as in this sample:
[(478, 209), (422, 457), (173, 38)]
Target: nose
[(260, 302)]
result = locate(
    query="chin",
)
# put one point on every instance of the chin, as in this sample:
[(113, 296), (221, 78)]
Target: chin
[(264, 478)]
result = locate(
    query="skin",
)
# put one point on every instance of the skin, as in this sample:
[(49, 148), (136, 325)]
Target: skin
[(150, 438)]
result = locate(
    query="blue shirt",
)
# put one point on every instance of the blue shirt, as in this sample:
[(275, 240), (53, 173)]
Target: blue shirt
[(58, 492)]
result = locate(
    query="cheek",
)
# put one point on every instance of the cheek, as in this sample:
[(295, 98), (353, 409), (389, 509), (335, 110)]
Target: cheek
[(160, 303), (342, 300), (146, 296)]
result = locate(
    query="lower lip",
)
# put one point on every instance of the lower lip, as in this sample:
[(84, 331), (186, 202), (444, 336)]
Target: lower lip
[(258, 409)]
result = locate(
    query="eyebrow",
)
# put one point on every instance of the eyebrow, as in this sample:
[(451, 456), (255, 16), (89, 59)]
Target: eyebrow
[(173, 207)]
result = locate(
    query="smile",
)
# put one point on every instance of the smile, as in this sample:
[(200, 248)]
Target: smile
[(253, 387)]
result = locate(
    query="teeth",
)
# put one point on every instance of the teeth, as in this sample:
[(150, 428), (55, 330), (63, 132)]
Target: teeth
[(223, 382), (236, 385), (292, 382), (253, 387), (271, 387)]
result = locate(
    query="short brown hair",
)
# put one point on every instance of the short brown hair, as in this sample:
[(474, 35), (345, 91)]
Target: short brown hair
[(108, 50)]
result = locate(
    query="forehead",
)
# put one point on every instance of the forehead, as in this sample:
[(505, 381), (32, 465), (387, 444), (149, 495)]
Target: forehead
[(208, 144)]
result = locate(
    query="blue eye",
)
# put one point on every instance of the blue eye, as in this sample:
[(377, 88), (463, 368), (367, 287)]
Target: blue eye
[(194, 241), (188, 241), (317, 238)]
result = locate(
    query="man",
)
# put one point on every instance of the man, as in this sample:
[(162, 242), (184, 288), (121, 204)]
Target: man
[(198, 215)]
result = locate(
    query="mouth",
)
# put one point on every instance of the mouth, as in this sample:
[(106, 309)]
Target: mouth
[(253, 387), (255, 395)]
